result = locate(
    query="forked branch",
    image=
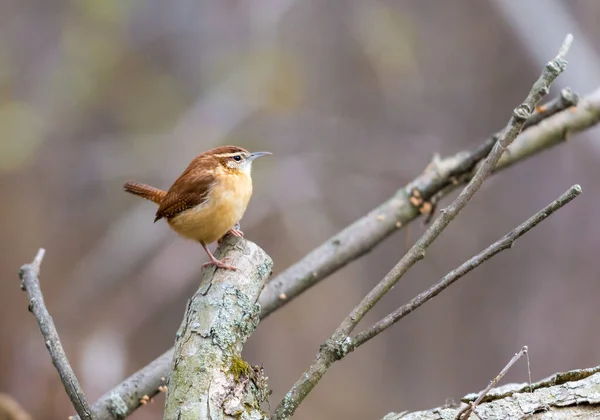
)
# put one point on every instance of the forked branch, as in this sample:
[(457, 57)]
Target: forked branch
[(340, 342)]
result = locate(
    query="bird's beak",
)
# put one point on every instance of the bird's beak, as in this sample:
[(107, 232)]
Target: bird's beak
[(258, 154)]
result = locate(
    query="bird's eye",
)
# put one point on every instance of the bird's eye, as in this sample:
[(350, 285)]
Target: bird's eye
[(237, 158)]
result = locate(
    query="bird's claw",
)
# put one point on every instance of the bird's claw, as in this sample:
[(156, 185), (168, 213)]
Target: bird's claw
[(235, 231), (219, 264)]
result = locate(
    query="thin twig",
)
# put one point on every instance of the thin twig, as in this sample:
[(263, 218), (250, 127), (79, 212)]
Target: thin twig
[(30, 283), (466, 412), (463, 170), (567, 99), (506, 242), (340, 343)]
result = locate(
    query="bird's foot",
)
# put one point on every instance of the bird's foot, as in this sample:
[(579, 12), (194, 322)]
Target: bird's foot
[(235, 231), (219, 264)]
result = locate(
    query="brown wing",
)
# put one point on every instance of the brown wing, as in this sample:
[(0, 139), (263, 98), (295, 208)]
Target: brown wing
[(183, 195)]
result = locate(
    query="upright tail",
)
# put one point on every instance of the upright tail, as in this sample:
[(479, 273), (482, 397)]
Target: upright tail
[(145, 191)]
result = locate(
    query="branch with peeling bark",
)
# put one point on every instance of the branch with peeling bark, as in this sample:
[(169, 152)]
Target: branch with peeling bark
[(567, 395), (208, 378), (340, 342)]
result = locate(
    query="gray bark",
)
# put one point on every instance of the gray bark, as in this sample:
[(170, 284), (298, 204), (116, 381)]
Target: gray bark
[(209, 379), (568, 399)]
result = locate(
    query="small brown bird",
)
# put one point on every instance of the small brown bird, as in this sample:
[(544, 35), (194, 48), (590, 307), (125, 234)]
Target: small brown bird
[(208, 199)]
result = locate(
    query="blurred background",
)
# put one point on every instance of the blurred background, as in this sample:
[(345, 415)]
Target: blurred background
[(353, 97)]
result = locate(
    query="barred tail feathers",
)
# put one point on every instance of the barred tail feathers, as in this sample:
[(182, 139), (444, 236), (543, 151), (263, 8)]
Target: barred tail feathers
[(145, 191)]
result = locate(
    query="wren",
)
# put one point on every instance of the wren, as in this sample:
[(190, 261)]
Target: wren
[(208, 199)]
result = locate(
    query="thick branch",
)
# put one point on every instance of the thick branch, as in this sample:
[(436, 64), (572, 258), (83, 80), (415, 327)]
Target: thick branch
[(209, 379), (30, 283), (363, 235), (506, 242), (576, 398), (340, 343)]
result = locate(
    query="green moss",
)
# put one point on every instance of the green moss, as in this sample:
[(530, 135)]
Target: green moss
[(238, 368)]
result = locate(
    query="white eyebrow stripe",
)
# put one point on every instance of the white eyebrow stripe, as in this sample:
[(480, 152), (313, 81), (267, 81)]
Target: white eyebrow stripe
[(230, 154)]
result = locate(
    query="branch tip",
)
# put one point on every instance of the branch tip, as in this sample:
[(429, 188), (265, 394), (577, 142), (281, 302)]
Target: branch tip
[(566, 45), (37, 261)]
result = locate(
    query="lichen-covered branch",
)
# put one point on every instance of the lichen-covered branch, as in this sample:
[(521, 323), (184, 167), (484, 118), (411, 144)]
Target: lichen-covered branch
[(340, 342), (209, 379), (30, 283), (576, 398)]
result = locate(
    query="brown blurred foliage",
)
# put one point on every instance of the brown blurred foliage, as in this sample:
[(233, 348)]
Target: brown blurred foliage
[(352, 97)]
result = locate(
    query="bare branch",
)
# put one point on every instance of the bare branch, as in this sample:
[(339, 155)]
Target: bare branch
[(340, 343), (29, 275), (362, 236), (506, 242)]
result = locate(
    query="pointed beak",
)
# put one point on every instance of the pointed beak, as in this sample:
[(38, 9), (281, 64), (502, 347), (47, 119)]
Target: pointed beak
[(258, 154)]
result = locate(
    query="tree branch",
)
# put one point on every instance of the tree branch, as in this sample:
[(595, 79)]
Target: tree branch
[(575, 397), (340, 342), (506, 242), (209, 379), (29, 275), (439, 180)]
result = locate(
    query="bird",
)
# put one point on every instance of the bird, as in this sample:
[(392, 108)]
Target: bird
[(208, 199)]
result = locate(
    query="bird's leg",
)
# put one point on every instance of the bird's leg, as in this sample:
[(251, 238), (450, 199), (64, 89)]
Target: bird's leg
[(213, 261), (235, 231)]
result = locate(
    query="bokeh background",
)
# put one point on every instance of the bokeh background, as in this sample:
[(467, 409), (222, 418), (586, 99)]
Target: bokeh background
[(353, 97)]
